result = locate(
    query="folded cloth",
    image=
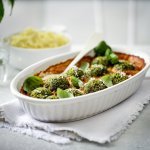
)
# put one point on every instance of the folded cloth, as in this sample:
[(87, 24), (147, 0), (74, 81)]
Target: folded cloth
[(101, 128)]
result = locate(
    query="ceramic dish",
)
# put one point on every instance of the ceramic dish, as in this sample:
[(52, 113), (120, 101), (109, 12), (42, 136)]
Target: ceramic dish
[(21, 58), (77, 107)]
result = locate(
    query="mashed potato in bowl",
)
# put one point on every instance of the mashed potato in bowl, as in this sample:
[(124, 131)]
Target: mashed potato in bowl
[(32, 45), (36, 39)]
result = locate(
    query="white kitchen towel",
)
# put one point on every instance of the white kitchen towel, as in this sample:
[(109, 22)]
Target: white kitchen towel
[(101, 128)]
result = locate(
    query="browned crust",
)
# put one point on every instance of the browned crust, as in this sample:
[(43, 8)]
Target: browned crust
[(59, 68)]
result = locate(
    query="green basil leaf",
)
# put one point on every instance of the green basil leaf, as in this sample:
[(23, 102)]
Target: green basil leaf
[(32, 83), (63, 93), (84, 66), (101, 48), (113, 58), (12, 4), (1, 10), (108, 52), (76, 82), (107, 80)]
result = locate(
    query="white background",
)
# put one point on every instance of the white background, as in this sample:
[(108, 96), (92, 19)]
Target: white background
[(120, 21)]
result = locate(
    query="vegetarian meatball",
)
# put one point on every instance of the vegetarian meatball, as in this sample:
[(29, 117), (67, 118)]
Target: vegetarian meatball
[(40, 92), (124, 66), (56, 82), (93, 86), (97, 70), (118, 77), (75, 92), (52, 97), (100, 60), (75, 71)]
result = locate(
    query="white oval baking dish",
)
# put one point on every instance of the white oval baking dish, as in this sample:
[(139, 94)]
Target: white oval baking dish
[(76, 108)]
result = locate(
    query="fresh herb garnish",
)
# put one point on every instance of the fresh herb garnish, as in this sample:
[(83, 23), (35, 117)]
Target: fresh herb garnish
[(107, 80), (101, 48), (63, 93), (85, 65), (113, 58), (76, 82), (105, 50), (2, 10), (32, 83)]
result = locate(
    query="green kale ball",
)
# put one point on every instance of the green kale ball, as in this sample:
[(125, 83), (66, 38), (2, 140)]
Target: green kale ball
[(124, 66), (56, 82), (52, 97), (87, 74), (100, 60), (118, 77), (75, 92), (93, 86), (97, 70), (75, 71), (40, 92)]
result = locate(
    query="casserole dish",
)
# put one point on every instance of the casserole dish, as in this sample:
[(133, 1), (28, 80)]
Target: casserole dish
[(77, 107)]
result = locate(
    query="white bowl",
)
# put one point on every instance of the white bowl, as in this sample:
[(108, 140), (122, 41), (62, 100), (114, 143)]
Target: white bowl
[(21, 58), (76, 108)]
